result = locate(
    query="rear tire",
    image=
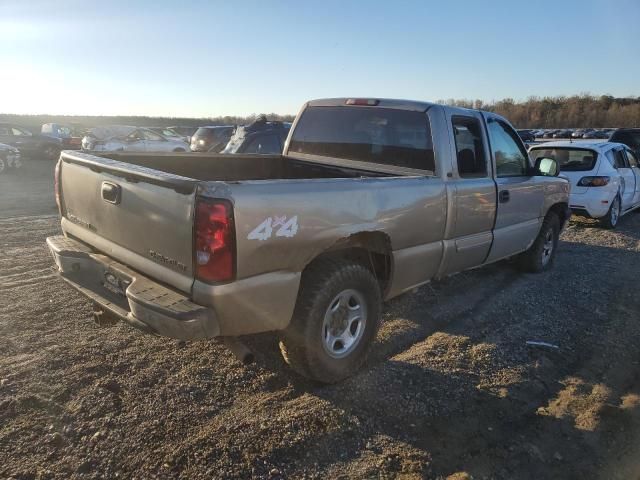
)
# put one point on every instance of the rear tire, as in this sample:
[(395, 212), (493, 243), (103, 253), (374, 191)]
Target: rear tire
[(542, 253), (335, 321), (179, 150), (611, 219)]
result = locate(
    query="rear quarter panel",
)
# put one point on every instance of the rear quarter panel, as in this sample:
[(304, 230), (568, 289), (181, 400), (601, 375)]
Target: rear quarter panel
[(410, 210)]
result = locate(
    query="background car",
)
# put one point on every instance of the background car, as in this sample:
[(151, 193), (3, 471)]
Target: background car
[(170, 133), (130, 139), (69, 136), (603, 177), (9, 158), (527, 135), (211, 139), (629, 136), (261, 136), (185, 130), (29, 144)]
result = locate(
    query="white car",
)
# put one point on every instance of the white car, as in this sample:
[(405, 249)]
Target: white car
[(604, 176), (118, 138)]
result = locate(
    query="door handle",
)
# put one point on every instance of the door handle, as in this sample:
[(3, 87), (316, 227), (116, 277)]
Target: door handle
[(111, 192), (503, 196)]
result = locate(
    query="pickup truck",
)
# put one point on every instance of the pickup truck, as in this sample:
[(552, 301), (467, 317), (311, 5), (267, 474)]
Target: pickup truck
[(371, 198)]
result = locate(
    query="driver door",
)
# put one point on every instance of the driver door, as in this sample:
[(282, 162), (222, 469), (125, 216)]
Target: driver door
[(135, 142), (627, 179), (633, 163), (520, 195)]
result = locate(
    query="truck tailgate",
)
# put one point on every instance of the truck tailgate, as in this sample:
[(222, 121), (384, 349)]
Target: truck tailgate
[(132, 214)]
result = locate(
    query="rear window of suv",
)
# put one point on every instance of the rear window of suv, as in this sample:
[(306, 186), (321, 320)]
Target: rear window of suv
[(367, 134), (569, 159)]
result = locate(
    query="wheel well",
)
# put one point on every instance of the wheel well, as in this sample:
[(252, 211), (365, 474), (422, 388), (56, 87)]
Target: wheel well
[(561, 210), (370, 249)]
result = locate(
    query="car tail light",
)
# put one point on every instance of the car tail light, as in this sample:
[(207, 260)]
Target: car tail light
[(369, 102), (593, 181), (57, 187), (214, 249)]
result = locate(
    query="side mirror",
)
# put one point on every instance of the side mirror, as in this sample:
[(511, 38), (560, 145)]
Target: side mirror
[(546, 167)]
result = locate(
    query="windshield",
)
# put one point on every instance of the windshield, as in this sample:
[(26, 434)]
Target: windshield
[(569, 159), (376, 135)]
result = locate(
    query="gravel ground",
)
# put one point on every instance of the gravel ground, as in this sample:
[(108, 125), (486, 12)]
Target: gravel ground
[(450, 390)]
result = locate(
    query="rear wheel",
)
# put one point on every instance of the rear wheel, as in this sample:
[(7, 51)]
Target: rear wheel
[(542, 252), (610, 220), (177, 150), (335, 321)]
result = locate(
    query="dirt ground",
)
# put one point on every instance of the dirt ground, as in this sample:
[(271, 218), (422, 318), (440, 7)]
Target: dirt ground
[(451, 389)]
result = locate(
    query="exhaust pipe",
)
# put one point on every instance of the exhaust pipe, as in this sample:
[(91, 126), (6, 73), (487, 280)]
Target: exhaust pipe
[(239, 349)]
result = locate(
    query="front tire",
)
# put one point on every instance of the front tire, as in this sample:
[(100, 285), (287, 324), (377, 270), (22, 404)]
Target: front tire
[(610, 220), (542, 253), (51, 152), (335, 321), (179, 150)]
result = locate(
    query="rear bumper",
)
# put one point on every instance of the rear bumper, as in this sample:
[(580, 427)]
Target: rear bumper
[(592, 204), (136, 299)]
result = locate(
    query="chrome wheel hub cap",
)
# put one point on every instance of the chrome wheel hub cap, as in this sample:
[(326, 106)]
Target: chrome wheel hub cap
[(344, 323)]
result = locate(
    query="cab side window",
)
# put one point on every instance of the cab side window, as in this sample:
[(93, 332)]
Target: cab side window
[(469, 147), (510, 156)]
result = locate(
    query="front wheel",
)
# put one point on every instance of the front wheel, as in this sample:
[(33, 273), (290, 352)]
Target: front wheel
[(542, 252), (179, 150), (51, 152), (335, 321), (610, 220)]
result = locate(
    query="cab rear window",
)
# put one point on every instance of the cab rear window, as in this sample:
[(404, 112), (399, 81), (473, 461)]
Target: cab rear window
[(569, 159), (375, 135)]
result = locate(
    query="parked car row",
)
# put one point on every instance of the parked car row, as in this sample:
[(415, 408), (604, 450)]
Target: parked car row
[(563, 133), (261, 136)]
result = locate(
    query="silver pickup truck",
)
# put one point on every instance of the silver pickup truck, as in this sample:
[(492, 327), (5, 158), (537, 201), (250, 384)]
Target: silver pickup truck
[(370, 199)]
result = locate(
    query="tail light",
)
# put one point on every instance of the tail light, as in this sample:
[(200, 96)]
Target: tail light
[(214, 249), (593, 181), (57, 187)]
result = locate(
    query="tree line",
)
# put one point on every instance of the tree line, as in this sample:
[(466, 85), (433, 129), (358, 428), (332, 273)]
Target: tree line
[(535, 112), (563, 112)]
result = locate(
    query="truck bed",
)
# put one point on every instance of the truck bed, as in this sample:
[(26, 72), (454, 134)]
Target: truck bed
[(234, 168)]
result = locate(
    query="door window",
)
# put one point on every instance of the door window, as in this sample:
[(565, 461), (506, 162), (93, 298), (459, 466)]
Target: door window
[(469, 147), (19, 132), (510, 156), (619, 160), (264, 144), (4, 131), (633, 161), (154, 137)]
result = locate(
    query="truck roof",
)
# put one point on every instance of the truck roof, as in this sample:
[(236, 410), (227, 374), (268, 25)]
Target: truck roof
[(382, 102)]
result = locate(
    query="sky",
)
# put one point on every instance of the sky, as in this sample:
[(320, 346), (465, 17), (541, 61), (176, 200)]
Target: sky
[(211, 58)]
